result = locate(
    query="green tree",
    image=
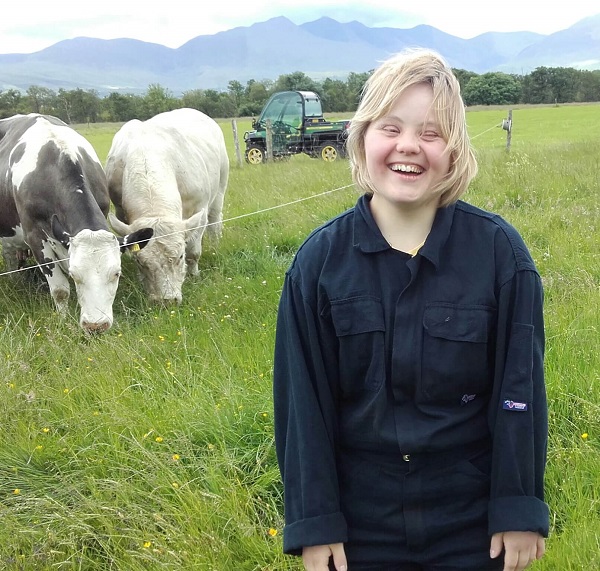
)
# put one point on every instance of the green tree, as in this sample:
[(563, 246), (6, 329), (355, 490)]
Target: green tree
[(10, 103), (551, 85), (157, 100), (78, 106), (589, 86), (335, 96), (42, 100), (192, 99), (494, 88), (297, 81), (120, 107), (356, 83), (236, 92), (209, 101), (256, 95), (463, 77), (565, 83)]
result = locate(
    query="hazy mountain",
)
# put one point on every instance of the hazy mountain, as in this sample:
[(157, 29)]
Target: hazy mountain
[(266, 50)]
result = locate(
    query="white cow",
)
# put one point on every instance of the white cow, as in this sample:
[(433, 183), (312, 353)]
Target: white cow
[(53, 204), (169, 173)]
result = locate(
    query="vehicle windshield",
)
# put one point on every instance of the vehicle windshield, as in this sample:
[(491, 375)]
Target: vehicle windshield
[(284, 107)]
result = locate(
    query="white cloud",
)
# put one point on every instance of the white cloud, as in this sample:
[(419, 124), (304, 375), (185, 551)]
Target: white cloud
[(30, 25)]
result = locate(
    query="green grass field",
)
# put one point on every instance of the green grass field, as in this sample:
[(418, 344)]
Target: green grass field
[(151, 447)]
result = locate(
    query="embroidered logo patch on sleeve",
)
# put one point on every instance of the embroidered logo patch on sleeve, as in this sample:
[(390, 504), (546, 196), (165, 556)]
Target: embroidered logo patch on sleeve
[(512, 405)]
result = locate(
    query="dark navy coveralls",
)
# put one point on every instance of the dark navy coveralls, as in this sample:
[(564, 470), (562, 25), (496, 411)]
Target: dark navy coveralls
[(410, 406)]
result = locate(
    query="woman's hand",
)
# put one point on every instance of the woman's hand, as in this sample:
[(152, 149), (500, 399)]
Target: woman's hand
[(521, 548), (316, 557)]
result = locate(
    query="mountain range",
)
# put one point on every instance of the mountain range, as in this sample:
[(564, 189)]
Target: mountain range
[(265, 50)]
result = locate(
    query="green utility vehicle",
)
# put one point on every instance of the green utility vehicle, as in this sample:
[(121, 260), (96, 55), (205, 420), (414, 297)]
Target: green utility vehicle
[(297, 126)]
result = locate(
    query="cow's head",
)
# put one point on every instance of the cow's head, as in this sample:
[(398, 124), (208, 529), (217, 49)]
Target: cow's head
[(162, 264), (95, 267)]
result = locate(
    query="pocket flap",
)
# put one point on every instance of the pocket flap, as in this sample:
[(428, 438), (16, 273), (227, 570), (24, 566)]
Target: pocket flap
[(357, 315), (458, 323)]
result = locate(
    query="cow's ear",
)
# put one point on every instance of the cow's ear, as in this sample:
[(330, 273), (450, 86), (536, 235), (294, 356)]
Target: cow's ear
[(59, 232), (119, 227), (136, 240), (197, 221)]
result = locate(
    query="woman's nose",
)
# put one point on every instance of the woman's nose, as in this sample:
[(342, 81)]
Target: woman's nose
[(408, 142)]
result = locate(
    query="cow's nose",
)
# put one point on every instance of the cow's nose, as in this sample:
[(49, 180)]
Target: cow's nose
[(95, 326), (166, 300)]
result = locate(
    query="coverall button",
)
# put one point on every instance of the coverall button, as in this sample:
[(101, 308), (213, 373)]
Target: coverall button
[(406, 457)]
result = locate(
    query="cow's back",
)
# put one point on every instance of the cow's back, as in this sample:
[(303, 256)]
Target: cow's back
[(180, 152), (47, 168), (203, 164)]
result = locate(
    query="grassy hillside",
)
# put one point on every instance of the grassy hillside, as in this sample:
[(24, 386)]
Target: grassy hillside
[(151, 447)]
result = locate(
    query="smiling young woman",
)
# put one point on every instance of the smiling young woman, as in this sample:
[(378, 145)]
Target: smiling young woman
[(410, 406)]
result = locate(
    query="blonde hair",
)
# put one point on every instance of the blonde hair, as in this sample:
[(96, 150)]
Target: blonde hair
[(382, 89)]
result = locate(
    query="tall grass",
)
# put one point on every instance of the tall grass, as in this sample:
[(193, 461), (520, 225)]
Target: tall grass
[(151, 446)]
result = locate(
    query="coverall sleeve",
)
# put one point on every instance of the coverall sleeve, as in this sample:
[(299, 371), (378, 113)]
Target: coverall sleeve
[(305, 426), (518, 410)]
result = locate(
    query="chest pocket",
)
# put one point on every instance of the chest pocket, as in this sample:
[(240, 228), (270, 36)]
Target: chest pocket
[(360, 328), (457, 351)]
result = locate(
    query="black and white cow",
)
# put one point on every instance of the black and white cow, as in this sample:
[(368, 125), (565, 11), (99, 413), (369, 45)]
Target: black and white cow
[(54, 202)]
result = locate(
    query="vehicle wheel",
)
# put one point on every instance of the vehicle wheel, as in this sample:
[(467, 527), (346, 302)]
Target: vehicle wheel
[(329, 152), (255, 155)]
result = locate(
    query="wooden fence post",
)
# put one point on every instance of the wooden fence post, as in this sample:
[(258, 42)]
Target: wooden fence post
[(269, 141), (507, 126), (236, 142)]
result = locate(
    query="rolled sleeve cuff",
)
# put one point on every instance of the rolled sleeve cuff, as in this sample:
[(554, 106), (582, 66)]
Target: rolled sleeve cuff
[(321, 530), (519, 513)]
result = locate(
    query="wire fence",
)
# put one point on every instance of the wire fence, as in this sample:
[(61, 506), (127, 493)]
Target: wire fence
[(232, 219)]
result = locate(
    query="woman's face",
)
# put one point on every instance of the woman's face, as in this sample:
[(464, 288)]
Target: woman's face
[(405, 153)]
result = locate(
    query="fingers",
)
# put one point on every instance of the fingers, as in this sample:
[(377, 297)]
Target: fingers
[(496, 545), (339, 557), (316, 557), (517, 561), (521, 548), (540, 547)]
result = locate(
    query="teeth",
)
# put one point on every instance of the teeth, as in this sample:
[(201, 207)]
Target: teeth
[(407, 168)]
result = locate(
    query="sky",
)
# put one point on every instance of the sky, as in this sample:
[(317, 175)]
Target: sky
[(27, 26)]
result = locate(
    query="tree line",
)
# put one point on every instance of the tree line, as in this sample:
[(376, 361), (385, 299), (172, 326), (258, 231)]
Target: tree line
[(544, 85)]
